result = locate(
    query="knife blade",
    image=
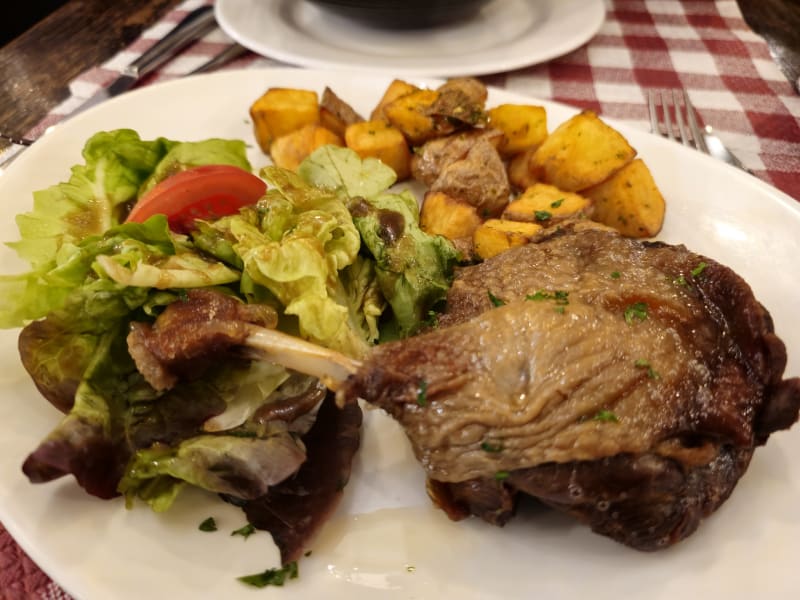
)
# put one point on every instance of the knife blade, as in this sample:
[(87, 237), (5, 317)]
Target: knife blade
[(192, 27), (224, 57)]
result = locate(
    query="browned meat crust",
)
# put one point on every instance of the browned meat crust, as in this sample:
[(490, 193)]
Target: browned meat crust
[(189, 331)]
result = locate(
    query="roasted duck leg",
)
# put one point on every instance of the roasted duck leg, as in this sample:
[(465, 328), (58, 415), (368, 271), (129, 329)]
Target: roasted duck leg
[(627, 384)]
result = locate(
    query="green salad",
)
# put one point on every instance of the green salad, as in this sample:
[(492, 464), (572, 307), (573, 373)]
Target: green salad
[(338, 255)]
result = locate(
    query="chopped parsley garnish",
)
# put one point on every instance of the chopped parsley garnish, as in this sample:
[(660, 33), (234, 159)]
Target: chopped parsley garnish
[(494, 299), (641, 363), (560, 297), (636, 311), (540, 295), (492, 448), (542, 215), (272, 576), (680, 280), (422, 393), (501, 475), (208, 525), (606, 415), (557, 203), (699, 269), (615, 275), (245, 531)]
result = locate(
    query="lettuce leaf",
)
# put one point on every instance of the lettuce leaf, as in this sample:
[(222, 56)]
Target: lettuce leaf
[(186, 155), (244, 467), (109, 275), (413, 269), (93, 199), (88, 442), (335, 168)]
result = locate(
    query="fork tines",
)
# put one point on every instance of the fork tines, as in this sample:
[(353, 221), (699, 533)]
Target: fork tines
[(675, 106)]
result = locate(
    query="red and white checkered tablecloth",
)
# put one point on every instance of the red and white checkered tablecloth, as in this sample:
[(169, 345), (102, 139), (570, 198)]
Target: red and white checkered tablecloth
[(703, 46)]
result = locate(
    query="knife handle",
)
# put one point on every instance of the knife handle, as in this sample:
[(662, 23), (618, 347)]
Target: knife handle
[(193, 26)]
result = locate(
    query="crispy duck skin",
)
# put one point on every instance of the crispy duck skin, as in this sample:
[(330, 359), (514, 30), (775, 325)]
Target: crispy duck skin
[(624, 383)]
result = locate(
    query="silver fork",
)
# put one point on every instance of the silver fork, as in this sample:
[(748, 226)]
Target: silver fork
[(676, 105)]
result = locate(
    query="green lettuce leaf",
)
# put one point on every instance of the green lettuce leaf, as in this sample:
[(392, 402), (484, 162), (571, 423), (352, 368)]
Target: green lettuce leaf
[(342, 169), (186, 155), (109, 274), (242, 466), (414, 269), (93, 199)]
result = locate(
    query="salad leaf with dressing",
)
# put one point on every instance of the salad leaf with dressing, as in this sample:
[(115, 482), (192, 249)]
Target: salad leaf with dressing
[(414, 269)]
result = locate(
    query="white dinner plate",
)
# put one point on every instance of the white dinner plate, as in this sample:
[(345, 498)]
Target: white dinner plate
[(505, 35), (386, 540)]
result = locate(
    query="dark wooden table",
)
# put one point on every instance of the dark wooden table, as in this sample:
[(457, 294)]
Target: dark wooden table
[(36, 67)]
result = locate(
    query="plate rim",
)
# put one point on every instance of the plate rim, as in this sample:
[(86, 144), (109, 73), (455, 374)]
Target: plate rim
[(594, 14)]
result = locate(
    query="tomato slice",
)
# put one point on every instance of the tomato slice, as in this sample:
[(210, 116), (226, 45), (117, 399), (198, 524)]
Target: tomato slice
[(205, 192)]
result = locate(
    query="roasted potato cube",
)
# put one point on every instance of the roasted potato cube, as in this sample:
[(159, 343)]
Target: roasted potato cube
[(629, 201), (545, 204), (524, 126), (498, 235), (409, 113), (336, 114), (289, 150), (580, 153), (520, 175), (444, 215), (396, 89), (378, 139), (280, 111)]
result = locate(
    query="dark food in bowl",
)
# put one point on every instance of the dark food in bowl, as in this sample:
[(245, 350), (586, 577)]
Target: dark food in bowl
[(403, 14)]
